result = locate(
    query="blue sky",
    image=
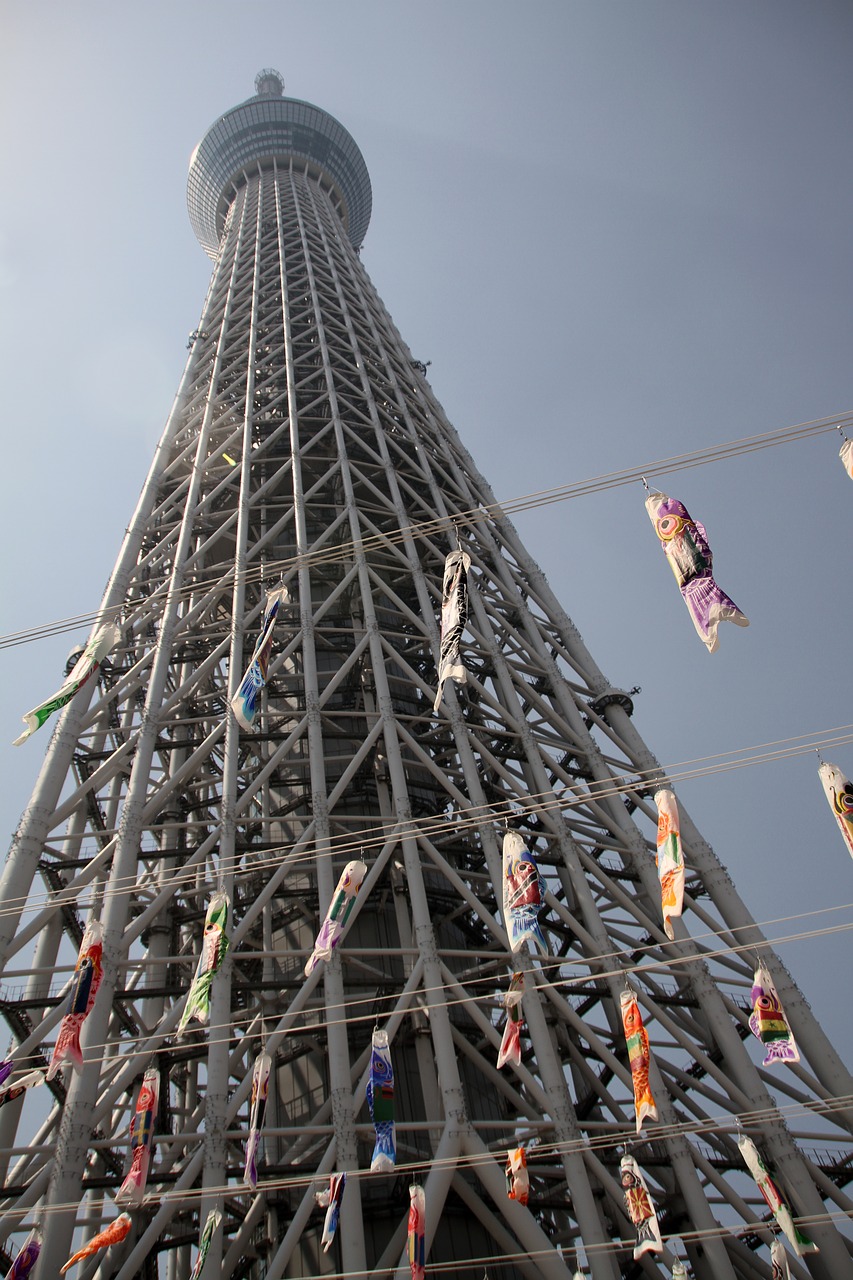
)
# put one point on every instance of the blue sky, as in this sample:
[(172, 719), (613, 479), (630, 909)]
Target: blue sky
[(619, 229)]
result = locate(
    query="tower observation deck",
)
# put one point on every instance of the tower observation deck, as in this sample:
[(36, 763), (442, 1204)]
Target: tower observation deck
[(306, 449), (269, 127)]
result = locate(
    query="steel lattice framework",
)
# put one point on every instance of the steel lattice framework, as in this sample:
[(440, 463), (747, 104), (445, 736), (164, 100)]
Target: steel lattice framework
[(305, 444)]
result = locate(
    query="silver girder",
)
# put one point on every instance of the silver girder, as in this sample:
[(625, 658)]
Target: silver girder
[(306, 446)]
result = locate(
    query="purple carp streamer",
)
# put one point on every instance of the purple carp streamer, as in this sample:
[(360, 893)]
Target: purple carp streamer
[(768, 1022), (779, 1262), (417, 1231), (839, 793), (88, 973), (380, 1100), (340, 910), (640, 1208), (212, 1221), (26, 1258), (454, 615), (245, 703), (510, 1050), (99, 645), (670, 858), (113, 1234), (213, 951), (260, 1093), (331, 1201), (523, 890), (132, 1190), (686, 548), (517, 1177), (845, 453), (753, 1160)]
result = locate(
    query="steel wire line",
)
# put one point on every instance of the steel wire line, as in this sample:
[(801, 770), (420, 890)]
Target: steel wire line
[(493, 511), (537, 1151), (348, 1019), (474, 817)]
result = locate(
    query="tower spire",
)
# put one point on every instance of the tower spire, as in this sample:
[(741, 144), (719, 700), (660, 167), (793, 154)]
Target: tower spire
[(290, 544)]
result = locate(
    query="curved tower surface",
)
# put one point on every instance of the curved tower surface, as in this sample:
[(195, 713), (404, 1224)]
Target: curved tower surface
[(306, 450)]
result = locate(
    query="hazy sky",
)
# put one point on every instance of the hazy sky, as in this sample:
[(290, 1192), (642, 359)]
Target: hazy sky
[(619, 229)]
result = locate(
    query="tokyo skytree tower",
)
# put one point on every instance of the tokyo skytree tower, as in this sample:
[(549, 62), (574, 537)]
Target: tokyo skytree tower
[(307, 492)]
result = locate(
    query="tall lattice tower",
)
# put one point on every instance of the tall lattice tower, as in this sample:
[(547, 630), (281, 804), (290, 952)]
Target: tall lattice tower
[(305, 447)]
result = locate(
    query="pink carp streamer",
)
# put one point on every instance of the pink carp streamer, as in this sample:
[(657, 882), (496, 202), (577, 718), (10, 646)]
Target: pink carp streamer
[(88, 973)]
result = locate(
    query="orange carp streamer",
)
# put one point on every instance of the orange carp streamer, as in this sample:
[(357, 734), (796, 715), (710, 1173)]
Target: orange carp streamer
[(113, 1234), (636, 1037)]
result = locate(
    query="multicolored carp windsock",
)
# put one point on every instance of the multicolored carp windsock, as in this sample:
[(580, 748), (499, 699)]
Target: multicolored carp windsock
[(839, 793), (454, 615), (97, 647), (845, 453), (6, 1069), (686, 548), (799, 1242), (214, 947), (523, 894), (13, 1089), (132, 1190), (640, 1208), (260, 1093), (670, 858), (779, 1262), (510, 1050), (331, 1201), (517, 1177), (380, 1100), (211, 1222), (639, 1057), (113, 1234), (340, 910), (88, 973), (417, 1231), (245, 703), (768, 1022), (26, 1258)]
